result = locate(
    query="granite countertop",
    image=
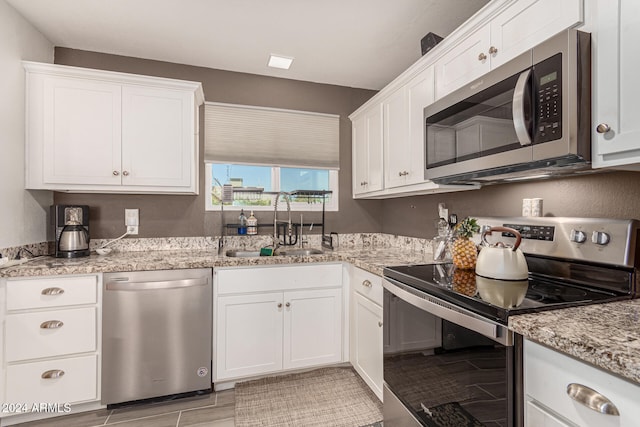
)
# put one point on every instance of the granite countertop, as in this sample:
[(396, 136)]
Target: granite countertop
[(604, 335), (370, 259)]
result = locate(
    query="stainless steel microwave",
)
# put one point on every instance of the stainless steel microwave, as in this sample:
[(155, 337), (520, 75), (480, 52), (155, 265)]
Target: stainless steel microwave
[(525, 119)]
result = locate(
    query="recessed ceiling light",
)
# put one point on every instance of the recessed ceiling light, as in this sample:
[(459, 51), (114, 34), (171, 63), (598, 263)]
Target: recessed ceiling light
[(277, 61)]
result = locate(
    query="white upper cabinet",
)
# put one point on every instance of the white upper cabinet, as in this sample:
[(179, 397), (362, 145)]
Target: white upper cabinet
[(100, 131), (616, 128), (367, 151), (404, 131), (467, 61), (520, 26)]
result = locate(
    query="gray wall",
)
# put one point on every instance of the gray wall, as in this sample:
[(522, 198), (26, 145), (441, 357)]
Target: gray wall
[(607, 195), (171, 216)]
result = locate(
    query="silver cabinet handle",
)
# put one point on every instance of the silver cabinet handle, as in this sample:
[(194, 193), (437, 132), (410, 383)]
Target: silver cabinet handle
[(366, 283), (279, 305), (52, 291), (125, 173), (403, 173), (603, 128), (482, 57), (52, 374), (591, 399), (116, 173), (288, 305), (122, 284), (493, 50), (380, 323), (51, 324)]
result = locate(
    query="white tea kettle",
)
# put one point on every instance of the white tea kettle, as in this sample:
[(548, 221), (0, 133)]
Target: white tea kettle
[(500, 261)]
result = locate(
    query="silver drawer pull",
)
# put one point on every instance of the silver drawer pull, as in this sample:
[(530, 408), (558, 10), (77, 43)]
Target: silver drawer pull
[(51, 324), (52, 291), (366, 283), (52, 374), (591, 399)]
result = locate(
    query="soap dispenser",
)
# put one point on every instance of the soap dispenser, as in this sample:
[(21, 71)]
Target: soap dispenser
[(242, 223), (252, 224)]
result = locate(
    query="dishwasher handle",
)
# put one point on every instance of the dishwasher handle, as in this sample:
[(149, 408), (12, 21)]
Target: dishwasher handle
[(123, 285)]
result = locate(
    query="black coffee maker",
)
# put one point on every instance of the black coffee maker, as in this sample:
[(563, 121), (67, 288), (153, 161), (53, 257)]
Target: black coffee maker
[(71, 227)]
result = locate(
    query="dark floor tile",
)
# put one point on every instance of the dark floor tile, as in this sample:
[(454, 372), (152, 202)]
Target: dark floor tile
[(149, 409), (166, 420), (497, 390), (488, 411), (226, 397), (84, 419), (196, 417)]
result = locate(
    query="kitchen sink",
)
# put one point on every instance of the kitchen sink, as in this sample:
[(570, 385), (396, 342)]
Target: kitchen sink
[(300, 252), (239, 253)]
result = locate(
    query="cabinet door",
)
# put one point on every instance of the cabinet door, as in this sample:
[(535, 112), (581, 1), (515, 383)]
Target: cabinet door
[(396, 139), (527, 23), (158, 143), (616, 89), (419, 95), (367, 151), (81, 131), (464, 63), (248, 334), (366, 354), (312, 327)]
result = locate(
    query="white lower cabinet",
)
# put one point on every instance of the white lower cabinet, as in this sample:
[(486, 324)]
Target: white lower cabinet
[(50, 344), (61, 381), (547, 377), (365, 346), (269, 319)]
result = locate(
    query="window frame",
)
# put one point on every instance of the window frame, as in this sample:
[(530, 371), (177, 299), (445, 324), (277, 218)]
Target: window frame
[(332, 205)]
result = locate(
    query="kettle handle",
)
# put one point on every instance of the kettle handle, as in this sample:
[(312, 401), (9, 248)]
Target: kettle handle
[(504, 230)]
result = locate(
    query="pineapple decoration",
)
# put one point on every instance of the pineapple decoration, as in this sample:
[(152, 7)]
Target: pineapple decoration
[(464, 251)]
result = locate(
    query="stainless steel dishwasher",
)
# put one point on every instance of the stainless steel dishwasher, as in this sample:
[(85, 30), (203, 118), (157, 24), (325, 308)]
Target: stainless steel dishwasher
[(156, 334)]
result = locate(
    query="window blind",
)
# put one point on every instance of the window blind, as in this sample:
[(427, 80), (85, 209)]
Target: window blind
[(269, 136)]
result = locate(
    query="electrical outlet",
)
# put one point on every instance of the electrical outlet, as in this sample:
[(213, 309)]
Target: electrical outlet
[(132, 220)]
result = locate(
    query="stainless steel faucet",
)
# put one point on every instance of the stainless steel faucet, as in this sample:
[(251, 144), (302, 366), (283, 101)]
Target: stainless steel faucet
[(287, 198), (221, 239), (302, 239)]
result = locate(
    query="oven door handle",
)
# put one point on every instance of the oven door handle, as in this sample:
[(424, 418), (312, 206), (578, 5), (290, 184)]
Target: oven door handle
[(521, 101), (456, 315)]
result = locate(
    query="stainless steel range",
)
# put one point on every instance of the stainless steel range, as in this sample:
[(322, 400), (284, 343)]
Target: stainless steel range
[(470, 372)]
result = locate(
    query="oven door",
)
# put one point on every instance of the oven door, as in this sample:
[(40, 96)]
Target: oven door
[(471, 374)]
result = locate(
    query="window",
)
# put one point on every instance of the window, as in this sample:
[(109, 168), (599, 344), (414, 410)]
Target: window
[(255, 187)]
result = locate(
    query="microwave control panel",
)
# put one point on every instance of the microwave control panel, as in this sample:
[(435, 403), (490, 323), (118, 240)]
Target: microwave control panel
[(547, 86)]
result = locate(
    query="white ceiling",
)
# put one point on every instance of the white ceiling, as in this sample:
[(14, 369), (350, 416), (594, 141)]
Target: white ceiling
[(357, 43)]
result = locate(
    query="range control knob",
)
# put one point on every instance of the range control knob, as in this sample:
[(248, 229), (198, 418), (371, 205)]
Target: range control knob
[(600, 238), (578, 236)]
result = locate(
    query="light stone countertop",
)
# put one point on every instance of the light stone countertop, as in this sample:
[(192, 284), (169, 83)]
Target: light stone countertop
[(604, 335), (370, 259)]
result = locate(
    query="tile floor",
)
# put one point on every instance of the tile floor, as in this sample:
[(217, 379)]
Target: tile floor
[(213, 410)]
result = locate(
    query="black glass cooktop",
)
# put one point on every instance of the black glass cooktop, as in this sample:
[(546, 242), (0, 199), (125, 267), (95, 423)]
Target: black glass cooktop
[(496, 299)]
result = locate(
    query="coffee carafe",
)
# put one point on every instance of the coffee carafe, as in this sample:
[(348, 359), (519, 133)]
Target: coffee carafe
[(71, 224)]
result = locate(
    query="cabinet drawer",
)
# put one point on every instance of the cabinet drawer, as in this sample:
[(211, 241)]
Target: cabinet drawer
[(78, 383), (367, 284), (266, 279), (548, 373), (28, 337), (51, 292)]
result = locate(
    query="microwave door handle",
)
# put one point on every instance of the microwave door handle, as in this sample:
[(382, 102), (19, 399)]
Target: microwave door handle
[(519, 105)]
